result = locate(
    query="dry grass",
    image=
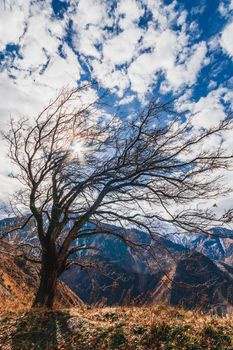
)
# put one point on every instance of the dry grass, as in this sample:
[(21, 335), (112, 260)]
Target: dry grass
[(11, 296), (19, 281), (129, 328)]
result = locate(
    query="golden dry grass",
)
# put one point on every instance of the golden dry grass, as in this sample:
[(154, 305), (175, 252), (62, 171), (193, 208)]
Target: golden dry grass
[(19, 281), (129, 328)]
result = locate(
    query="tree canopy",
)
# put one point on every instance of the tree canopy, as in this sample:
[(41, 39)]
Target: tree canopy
[(85, 172)]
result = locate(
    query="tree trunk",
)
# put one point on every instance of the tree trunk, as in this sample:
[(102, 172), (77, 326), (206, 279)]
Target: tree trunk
[(48, 282)]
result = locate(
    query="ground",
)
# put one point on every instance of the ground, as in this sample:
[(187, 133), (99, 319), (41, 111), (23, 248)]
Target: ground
[(129, 328)]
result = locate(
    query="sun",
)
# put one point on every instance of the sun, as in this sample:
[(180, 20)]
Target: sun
[(78, 150)]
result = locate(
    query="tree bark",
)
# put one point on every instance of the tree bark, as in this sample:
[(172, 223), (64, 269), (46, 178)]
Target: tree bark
[(48, 282)]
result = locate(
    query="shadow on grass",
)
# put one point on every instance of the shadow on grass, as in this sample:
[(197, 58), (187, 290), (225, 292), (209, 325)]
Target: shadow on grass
[(41, 331)]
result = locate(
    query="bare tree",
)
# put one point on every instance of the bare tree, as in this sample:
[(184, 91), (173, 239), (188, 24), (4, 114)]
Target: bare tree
[(84, 173)]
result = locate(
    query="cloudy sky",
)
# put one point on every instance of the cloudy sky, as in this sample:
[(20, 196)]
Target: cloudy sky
[(137, 48)]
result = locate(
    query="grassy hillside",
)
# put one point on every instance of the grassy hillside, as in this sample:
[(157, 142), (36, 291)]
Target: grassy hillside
[(130, 328), (19, 281)]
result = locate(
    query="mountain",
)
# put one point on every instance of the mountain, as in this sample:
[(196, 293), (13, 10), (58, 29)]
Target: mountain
[(173, 275), (193, 274), (19, 280), (121, 274), (197, 282), (218, 246)]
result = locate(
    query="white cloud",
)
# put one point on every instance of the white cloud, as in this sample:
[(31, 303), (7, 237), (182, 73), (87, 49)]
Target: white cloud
[(41, 38), (162, 15), (145, 53), (126, 100), (13, 15), (108, 77), (225, 8), (89, 19), (86, 40), (29, 92), (61, 71), (186, 73), (142, 73), (209, 110), (122, 47), (129, 11), (16, 100), (168, 46), (89, 12), (39, 71), (226, 40)]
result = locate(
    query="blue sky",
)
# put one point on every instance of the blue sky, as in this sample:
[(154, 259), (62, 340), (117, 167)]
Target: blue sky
[(137, 48)]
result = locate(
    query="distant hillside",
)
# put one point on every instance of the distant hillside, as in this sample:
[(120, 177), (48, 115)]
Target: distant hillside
[(123, 275), (172, 275), (19, 280), (196, 282)]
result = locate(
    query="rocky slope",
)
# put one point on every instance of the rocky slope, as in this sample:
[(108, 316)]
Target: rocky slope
[(196, 282), (172, 275)]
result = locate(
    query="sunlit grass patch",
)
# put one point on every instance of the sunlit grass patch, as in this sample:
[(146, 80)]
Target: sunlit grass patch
[(115, 328)]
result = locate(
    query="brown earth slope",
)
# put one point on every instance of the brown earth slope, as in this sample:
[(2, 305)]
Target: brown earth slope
[(19, 280)]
